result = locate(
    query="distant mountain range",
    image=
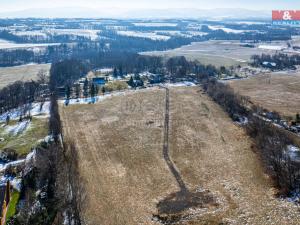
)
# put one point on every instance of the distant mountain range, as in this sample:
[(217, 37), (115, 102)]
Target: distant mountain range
[(138, 13)]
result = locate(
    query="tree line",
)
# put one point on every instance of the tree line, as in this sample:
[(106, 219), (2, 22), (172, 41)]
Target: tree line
[(22, 94), (277, 61), (271, 142)]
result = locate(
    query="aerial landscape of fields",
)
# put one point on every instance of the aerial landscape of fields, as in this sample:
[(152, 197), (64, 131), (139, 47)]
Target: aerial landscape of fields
[(220, 53), (149, 113), (123, 173)]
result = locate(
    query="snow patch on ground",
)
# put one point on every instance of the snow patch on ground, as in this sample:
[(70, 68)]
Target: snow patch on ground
[(180, 84), (47, 139), (15, 182), (29, 157), (294, 197), (102, 97), (225, 29), (3, 167), (18, 128), (36, 110), (272, 47), (11, 45), (293, 152), (91, 100)]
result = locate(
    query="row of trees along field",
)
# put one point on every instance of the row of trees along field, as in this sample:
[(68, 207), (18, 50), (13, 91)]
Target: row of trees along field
[(271, 141), (45, 198), (21, 94), (279, 61)]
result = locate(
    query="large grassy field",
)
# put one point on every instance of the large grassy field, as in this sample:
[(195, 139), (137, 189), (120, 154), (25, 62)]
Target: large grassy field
[(276, 91), (128, 179), (218, 53), (9, 75)]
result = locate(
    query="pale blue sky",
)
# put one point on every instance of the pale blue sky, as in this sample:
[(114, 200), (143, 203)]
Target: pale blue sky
[(15, 5)]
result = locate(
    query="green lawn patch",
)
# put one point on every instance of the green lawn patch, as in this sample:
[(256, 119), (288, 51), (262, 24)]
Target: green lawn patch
[(12, 207)]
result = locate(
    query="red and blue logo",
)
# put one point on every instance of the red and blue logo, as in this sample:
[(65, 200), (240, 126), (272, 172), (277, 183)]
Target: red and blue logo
[(286, 17)]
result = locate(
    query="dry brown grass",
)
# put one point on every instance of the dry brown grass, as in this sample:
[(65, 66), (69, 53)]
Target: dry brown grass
[(120, 148), (217, 53), (276, 91), (9, 75)]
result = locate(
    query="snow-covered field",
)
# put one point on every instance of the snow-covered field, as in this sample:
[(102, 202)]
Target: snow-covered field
[(227, 30), (39, 33), (272, 47), (93, 34), (180, 33), (180, 84), (155, 24), (11, 45), (150, 35), (250, 22)]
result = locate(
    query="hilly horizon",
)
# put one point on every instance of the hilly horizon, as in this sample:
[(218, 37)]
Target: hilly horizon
[(188, 13)]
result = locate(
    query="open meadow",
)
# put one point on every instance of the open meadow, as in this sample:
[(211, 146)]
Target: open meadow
[(169, 157), (218, 53), (279, 91), (28, 72)]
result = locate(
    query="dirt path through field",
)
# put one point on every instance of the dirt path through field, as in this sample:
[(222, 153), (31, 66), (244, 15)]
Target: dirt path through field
[(167, 158), (136, 157)]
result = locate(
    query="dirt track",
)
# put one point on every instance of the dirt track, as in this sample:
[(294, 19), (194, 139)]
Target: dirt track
[(120, 144)]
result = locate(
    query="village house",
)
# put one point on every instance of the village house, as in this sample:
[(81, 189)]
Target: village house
[(99, 81)]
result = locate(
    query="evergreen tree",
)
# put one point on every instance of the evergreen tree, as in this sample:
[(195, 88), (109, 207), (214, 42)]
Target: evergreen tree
[(96, 89), (121, 71), (297, 118), (92, 90), (131, 82), (85, 88), (68, 91), (103, 90), (115, 74), (77, 90)]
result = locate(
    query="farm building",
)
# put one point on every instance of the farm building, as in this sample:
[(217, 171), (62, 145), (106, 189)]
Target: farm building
[(61, 91), (155, 78)]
